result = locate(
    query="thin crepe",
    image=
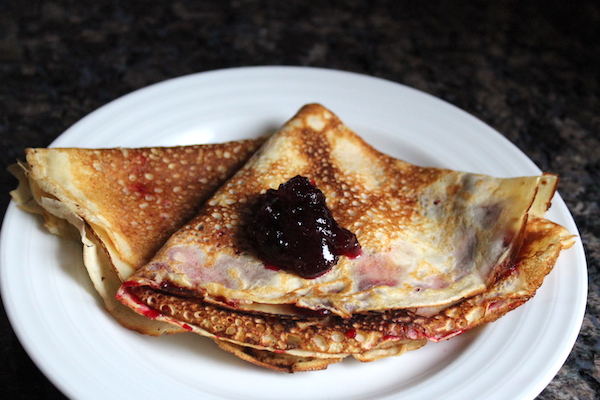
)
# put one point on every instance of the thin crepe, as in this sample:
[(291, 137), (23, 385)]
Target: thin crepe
[(430, 237), (123, 203), (497, 225), (367, 336)]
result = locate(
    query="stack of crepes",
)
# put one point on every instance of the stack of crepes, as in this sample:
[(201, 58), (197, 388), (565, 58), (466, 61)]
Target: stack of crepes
[(165, 233)]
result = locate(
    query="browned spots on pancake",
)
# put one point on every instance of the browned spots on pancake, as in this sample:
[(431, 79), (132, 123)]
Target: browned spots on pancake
[(324, 335), (146, 194), (377, 198), (365, 332)]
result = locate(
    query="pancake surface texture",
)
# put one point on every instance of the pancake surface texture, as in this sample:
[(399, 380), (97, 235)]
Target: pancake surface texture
[(430, 237), (442, 252), (123, 204)]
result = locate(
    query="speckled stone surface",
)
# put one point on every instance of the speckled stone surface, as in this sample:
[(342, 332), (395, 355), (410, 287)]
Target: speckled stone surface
[(529, 69)]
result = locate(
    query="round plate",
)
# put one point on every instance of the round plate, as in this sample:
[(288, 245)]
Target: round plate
[(62, 324)]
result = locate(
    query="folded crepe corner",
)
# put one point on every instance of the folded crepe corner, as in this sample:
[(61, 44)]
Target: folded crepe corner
[(442, 252), (123, 204)]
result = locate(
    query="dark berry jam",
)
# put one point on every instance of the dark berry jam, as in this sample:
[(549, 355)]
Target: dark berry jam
[(294, 230)]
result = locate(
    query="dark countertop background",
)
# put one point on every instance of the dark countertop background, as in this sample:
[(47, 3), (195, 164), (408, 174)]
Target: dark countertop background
[(529, 69)]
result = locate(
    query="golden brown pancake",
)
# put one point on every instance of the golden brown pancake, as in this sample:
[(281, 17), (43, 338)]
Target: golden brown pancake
[(123, 203), (442, 251), (73, 188), (365, 336), (429, 236), (69, 196)]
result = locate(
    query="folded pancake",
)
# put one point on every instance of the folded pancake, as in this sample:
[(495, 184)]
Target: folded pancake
[(366, 336), (123, 203), (429, 236), (442, 252), (56, 183)]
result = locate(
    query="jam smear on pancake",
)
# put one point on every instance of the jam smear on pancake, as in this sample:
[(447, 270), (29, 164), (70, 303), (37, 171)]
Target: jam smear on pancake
[(294, 230)]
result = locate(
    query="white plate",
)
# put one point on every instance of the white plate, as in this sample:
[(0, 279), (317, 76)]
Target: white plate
[(62, 325)]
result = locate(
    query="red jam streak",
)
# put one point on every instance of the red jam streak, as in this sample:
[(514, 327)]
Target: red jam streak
[(294, 230), (141, 307), (351, 333), (187, 327), (227, 302)]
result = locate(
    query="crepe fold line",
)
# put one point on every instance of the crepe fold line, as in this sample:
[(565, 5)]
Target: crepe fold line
[(123, 204), (207, 279)]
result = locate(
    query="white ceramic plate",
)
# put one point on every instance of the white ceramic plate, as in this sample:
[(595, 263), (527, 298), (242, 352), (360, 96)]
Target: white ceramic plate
[(64, 328)]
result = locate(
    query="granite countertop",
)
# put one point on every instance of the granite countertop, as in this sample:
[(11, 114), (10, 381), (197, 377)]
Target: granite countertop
[(529, 69)]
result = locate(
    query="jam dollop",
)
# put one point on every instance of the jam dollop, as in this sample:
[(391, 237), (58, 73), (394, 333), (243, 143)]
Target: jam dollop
[(294, 230)]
